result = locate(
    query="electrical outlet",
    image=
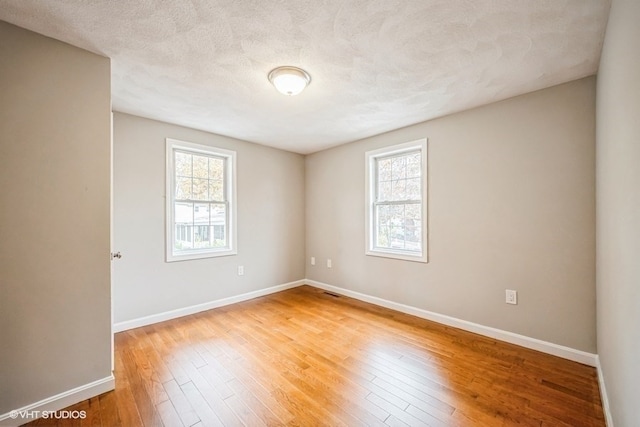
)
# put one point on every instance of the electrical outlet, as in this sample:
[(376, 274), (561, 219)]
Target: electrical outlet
[(313, 260), (328, 263), (511, 296), (240, 270)]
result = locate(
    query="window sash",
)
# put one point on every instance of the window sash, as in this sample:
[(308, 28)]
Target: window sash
[(376, 227), (193, 236), (377, 160), (193, 225), (225, 161), (404, 236)]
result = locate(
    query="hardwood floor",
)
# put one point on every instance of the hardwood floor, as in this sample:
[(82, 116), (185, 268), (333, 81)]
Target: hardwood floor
[(306, 358)]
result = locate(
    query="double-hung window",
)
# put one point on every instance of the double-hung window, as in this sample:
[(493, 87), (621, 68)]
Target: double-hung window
[(201, 202), (396, 201)]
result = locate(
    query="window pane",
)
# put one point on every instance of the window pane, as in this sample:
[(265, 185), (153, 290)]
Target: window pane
[(200, 189), (413, 229), (383, 214), (384, 169), (398, 167), (219, 223), (183, 164), (201, 214), (412, 212), (216, 190), (183, 188), (200, 236), (382, 238), (216, 169), (384, 191), (219, 236), (396, 216), (383, 224), (183, 235), (397, 238), (183, 213), (398, 190), (414, 165), (412, 189), (200, 167)]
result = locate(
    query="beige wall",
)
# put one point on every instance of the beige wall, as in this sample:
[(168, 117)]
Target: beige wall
[(270, 222), (511, 205), (55, 312), (618, 212)]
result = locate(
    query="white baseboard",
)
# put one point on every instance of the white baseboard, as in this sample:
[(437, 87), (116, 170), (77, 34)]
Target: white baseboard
[(510, 337), (57, 402), (603, 394), (180, 312)]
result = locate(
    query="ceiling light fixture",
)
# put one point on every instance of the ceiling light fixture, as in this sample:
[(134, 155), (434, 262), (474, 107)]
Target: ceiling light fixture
[(289, 80)]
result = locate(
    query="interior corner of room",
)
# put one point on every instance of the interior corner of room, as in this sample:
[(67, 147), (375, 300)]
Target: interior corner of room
[(537, 193)]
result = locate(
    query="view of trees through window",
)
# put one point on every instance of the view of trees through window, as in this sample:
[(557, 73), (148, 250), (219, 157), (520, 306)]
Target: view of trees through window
[(398, 206), (200, 203)]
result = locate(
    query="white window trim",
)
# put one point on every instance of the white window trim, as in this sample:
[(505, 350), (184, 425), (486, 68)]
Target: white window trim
[(230, 181), (370, 188)]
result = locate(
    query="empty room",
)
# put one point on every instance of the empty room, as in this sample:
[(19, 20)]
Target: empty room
[(337, 213)]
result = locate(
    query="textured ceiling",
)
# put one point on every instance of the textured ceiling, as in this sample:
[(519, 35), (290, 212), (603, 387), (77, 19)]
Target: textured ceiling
[(376, 65)]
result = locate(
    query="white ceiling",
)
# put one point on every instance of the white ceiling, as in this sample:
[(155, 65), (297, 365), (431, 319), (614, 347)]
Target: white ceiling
[(376, 65)]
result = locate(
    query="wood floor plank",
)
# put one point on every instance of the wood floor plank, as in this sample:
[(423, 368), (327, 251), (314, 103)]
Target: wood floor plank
[(212, 396), (93, 413), (263, 412), (181, 404), (143, 402), (396, 412), (169, 415), (200, 406), (243, 412), (109, 409), (302, 357), (127, 411)]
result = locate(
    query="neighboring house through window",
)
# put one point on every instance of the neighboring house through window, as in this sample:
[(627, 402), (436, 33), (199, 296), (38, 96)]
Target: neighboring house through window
[(396, 201), (200, 197)]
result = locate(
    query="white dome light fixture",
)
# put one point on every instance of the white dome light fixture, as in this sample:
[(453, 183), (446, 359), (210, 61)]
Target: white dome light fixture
[(289, 80)]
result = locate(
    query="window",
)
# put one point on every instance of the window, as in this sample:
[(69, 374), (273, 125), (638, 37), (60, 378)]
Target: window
[(201, 220), (396, 201)]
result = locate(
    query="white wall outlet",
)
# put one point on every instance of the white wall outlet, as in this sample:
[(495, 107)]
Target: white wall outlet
[(241, 270), (328, 263), (511, 296), (313, 260)]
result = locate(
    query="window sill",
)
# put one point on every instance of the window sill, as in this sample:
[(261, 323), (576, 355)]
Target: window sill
[(199, 255), (398, 255)]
